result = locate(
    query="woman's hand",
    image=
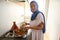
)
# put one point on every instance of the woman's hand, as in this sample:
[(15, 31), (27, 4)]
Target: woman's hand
[(27, 27)]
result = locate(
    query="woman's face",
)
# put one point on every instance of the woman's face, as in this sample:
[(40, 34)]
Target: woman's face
[(33, 7)]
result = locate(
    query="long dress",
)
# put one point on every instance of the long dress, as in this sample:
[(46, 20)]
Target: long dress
[(37, 34)]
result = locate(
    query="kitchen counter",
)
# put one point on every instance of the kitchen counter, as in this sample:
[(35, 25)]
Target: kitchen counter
[(12, 38)]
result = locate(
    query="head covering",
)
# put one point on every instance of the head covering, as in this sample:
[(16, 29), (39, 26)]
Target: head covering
[(36, 12), (35, 4)]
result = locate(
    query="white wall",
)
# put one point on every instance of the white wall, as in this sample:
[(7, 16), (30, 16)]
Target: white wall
[(53, 20), (9, 12)]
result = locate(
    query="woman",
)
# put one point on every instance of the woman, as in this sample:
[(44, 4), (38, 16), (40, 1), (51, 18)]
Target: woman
[(36, 23)]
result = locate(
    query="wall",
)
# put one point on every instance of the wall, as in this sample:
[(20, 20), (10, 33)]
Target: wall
[(53, 20), (9, 12)]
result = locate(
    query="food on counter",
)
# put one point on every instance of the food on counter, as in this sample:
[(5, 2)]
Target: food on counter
[(18, 31)]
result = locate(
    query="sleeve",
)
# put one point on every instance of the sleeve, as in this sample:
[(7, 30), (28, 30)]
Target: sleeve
[(37, 21)]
